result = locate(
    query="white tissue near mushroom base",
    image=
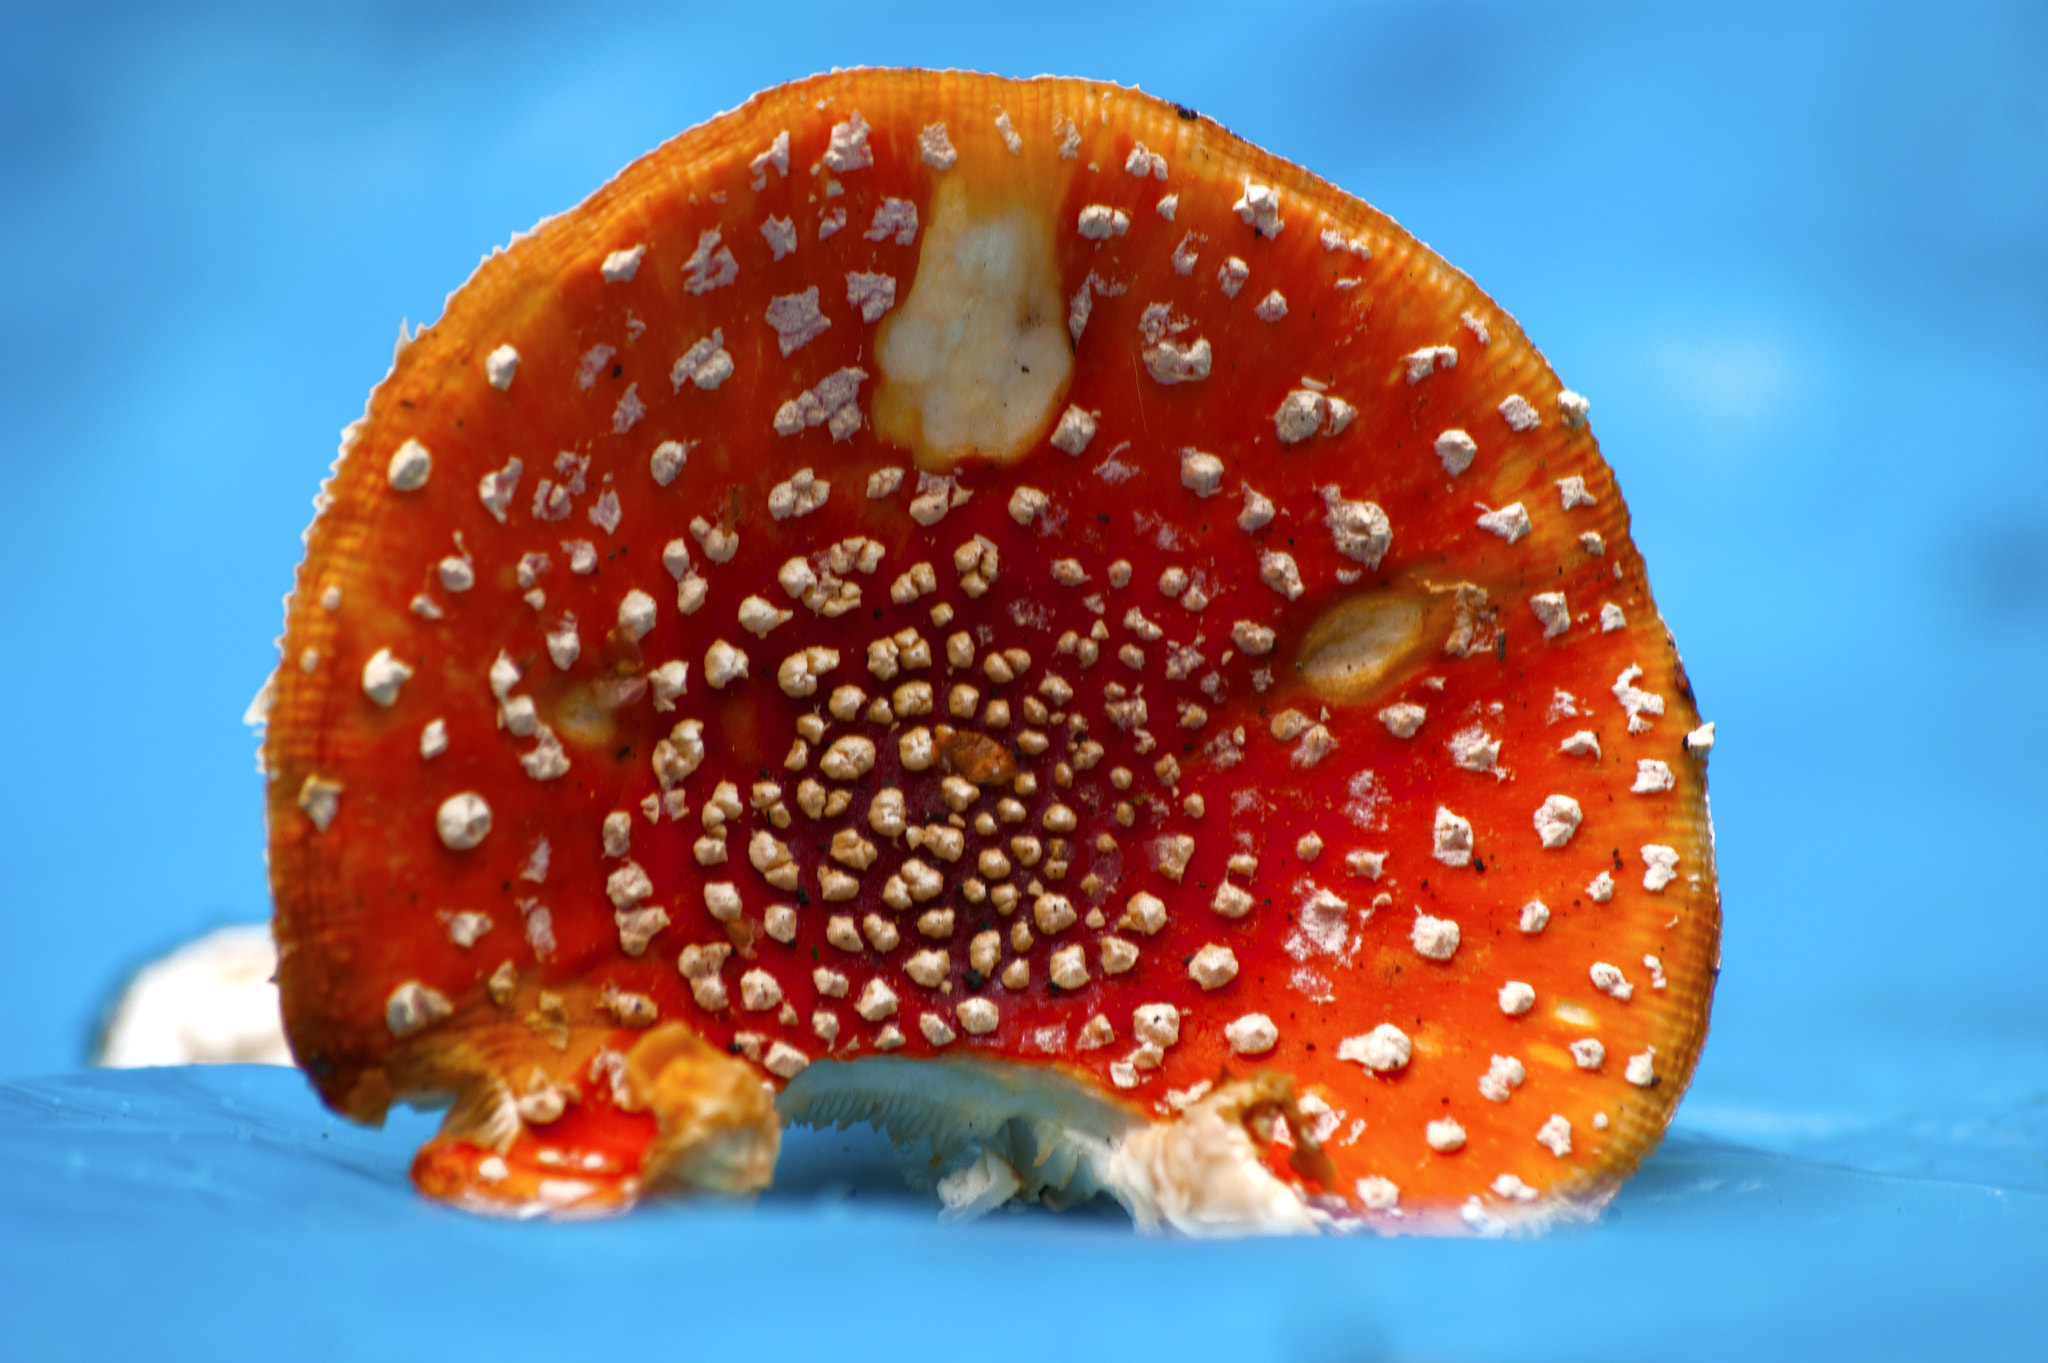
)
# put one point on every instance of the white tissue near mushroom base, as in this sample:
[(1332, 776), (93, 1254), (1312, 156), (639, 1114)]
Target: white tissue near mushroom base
[(997, 1131)]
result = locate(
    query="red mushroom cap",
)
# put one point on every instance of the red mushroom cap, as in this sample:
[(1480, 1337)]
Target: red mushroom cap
[(928, 565)]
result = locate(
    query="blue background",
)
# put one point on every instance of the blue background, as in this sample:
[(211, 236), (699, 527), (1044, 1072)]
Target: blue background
[(1797, 257)]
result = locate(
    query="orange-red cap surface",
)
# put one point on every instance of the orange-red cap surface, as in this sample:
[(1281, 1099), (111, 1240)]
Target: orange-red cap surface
[(928, 565)]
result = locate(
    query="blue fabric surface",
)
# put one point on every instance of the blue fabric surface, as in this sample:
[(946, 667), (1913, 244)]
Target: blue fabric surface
[(1797, 257), (223, 1214)]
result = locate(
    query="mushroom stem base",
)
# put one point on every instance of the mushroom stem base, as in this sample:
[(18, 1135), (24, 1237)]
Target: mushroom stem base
[(683, 1116)]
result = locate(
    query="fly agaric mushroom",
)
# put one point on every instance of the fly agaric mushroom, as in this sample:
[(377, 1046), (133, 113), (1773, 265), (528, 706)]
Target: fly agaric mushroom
[(997, 609)]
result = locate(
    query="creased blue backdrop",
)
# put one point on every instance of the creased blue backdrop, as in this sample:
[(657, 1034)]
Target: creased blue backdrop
[(1796, 255)]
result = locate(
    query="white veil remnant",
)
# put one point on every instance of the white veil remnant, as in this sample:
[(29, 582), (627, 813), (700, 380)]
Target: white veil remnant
[(211, 1002)]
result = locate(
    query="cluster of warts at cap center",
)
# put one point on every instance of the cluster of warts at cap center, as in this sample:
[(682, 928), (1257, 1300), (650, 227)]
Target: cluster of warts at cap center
[(1013, 794)]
